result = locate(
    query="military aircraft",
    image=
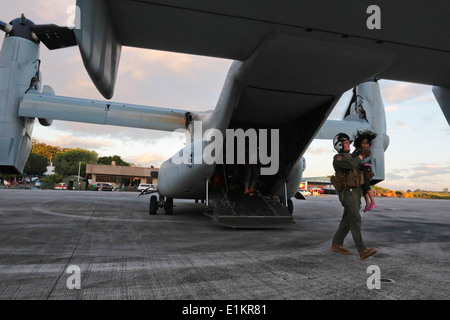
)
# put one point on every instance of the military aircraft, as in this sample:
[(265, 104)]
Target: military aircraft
[(293, 60)]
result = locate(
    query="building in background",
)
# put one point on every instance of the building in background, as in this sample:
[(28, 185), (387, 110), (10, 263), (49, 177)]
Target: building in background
[(75, 183), (127, 178), (314, 184)]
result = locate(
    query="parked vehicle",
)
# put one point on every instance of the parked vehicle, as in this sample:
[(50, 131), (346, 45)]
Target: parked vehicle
[(104, 187), (316, 190), (61, 186), (304, 192), (144, 186)]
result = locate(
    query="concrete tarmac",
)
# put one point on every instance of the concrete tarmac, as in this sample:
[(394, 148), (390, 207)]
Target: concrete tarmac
[(124, 253)]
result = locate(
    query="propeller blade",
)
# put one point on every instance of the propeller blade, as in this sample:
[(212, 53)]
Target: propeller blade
[(55, 37), (5, 27)]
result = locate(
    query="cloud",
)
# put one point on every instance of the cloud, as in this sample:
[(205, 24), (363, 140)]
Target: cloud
[(319, 151), (63, 70), (105, 132), (40, 12), (142, 64), (396, 92), (428, 98), (424, 176), (51, 11), (434, 183), (431, 176), (428, 170), (147, 159), (152, 61), (166, 79), (65, 141), (392, 108), (394, 176), (401, 124)]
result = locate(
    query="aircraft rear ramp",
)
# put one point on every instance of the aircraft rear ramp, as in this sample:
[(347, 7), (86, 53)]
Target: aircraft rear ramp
[(232, 208)]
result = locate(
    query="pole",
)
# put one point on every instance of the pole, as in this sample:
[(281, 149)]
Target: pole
[(207, 191), (79, 172)]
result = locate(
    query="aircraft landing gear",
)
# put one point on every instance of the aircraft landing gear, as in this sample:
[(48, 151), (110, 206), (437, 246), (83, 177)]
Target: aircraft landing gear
[(290, 206), (168, 206), (153, 205), (166, 203)]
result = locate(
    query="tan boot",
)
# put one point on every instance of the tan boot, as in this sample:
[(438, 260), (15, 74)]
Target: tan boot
[(340, 249), (363, 254)]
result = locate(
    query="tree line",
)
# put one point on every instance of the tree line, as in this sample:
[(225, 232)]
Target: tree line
[(66, 161)]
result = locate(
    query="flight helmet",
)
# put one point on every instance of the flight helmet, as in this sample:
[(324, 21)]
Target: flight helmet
[(338, 139)]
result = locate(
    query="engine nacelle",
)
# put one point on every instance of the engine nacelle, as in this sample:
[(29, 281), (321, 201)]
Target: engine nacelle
[(366, 112), (370, 107), (19, 66)]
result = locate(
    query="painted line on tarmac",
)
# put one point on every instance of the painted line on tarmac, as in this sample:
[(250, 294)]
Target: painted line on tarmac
[(48, 212), (161, 262)]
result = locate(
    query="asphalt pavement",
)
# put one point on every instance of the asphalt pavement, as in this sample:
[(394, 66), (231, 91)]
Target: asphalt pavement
[(71, 245)]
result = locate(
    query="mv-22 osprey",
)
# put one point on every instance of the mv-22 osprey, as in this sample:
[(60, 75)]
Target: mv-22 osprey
[(293, 60)]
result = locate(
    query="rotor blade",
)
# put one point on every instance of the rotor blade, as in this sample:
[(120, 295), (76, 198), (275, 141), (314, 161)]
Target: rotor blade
[(5, 27), (55, 37)]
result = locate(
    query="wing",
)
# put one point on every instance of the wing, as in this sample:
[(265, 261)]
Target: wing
[(47, 106), (415, 33)]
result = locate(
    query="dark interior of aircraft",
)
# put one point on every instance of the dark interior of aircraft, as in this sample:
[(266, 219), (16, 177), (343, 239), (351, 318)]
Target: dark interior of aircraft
[(293, 137)]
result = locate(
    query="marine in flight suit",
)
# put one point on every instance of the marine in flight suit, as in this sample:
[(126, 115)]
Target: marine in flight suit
[(344, 164)]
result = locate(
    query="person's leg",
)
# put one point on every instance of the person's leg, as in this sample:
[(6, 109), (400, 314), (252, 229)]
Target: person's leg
[(343, 229), (372, 199), (344, 225), (365, 190), (353, 204), (366, 198), (247, 179), (254, 177)]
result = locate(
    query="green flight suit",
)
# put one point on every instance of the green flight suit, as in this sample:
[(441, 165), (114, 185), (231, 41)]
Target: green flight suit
[(350, 199)]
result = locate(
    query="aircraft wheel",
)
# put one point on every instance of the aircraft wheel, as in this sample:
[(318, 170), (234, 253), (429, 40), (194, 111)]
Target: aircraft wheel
[(290, 207), (153, 205), (168, 206)]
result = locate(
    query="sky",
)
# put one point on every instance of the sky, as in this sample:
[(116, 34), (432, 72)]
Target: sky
[(418, 156)]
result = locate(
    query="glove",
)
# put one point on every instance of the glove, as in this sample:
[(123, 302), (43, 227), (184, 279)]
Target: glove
[(366, 153)]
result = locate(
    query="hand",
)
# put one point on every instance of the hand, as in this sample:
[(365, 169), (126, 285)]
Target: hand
[(365, 153)]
